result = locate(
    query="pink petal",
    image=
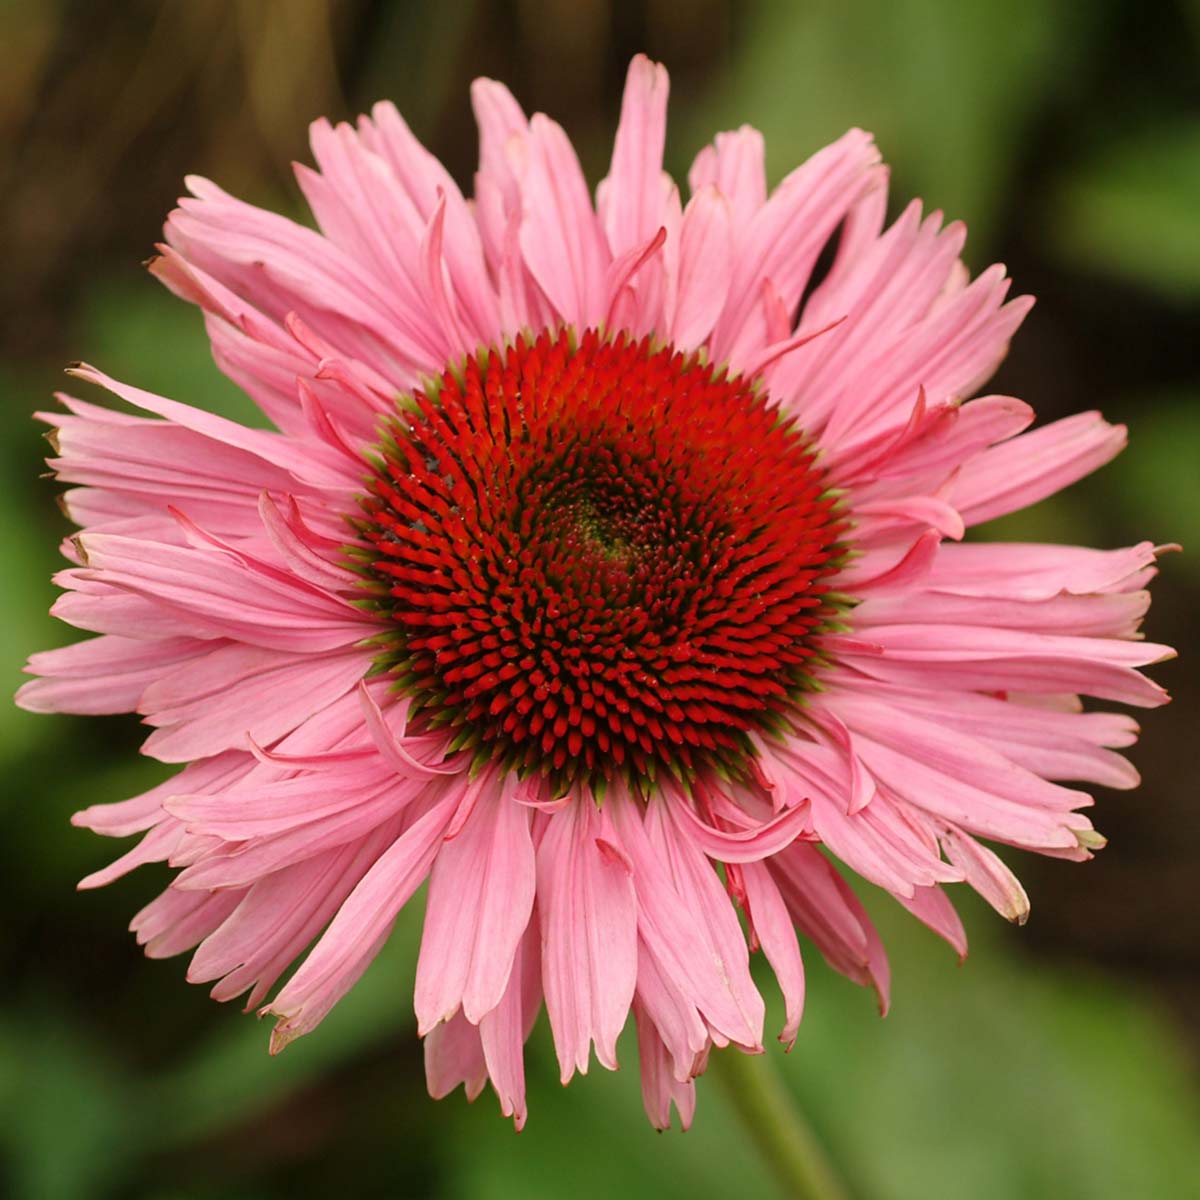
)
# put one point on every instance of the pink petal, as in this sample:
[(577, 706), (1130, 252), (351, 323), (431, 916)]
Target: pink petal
[(132, 816), (229, 598), (634, 186), (688, 926), (773, 928), (985, 659), (177, 921), (235, 694), (987, 875), (560, 236), (589, 936), (683, 1031), (504, 1030), (454, 1055), (783, 239), (712, 916), (279, 917), (304, 462), (745, 845), (826, 910), (734, 165), (102, 675), (1026, 469), (660, 1088), (705, 267), (480, 898), (932, 908)]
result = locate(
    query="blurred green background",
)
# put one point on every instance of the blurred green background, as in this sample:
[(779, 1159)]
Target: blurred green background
[(1060, 1061)]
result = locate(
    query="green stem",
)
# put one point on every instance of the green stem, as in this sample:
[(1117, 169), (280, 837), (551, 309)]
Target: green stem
[(775, 1122)]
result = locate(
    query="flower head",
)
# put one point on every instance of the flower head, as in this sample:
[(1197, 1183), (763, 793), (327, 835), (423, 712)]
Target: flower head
[(599, 569)]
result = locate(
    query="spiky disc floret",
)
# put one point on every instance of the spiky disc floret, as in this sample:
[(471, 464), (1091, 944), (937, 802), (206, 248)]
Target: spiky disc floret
[(604, 556)]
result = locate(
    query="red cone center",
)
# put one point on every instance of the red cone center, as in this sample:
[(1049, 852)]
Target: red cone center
[(599, 555)]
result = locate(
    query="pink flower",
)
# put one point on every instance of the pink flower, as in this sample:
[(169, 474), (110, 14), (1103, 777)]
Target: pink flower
[(578, 563)]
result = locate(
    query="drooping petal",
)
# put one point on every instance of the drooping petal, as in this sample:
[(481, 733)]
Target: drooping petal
[(504, 1031), (773, 928), (660, 1087), (480, 898), (589, 935)]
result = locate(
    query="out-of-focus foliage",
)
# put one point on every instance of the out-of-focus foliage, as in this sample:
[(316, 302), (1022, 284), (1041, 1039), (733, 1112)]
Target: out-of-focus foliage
[(1058, 1061), (1130, 211), (926, 77)]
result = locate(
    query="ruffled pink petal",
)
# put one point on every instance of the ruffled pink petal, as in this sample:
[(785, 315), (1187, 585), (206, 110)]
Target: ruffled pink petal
[(826, 910), (361, 926), (140, 812), (257, 352), (784, 238), (305, 552), (1115, 615), (212, 591), (235, 694), (751, 842), (177, 921), (387, 732), (948, 354), (306, 463), (948, 749), (705, 267), (1034, 572), (933, 442), (159, 844), (279, 917), (682, 1029), (280, 267), (986, 659), (263, 827), (270, 801), (155, 463), (929, 788), (709, 903), (1058, 745), (886, 287), (430, 186), (499, 118), (362, 208), (688, 924)]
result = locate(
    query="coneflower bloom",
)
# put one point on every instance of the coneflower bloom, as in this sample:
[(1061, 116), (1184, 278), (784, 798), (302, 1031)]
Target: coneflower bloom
[(602, 567)]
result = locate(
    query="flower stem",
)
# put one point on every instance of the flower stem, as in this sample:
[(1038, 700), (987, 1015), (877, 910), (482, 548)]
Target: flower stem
[(775, 1122)]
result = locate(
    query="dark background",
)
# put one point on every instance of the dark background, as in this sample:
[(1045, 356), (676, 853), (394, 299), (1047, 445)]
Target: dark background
[(1061, 1060)]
